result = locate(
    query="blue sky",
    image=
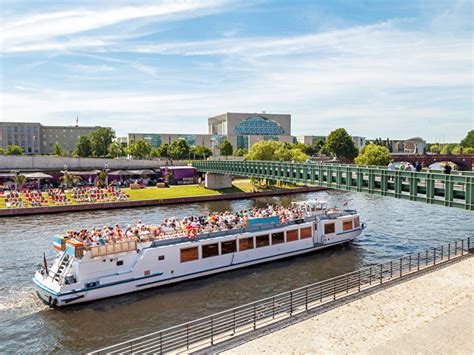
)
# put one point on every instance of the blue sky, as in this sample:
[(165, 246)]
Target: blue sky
[(378, 68)]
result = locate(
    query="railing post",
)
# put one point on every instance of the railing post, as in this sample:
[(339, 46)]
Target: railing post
[(254, 316), (409, 263), (434, 256), (391, 268), (462, 247), (291, 304), (334, 289), (273, 307), (418, 263), (370, 276), (347, 283), (212, 331), (306, 298), (449, 251), (187, 336), (426, 258), (131, 347), (320, 292), (359, 280), (401, 262), (455, 248), (233, 321), (161, 343), (381, 273)]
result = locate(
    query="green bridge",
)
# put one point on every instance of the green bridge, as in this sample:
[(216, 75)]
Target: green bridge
[(454, 190)]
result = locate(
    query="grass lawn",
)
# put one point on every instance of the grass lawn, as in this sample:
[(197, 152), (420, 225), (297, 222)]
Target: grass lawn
[(239, 185)]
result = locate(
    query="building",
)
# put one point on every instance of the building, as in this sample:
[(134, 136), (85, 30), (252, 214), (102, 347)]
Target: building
[(309, 140), (358, 141), (35, 138), (411, 145), (240, 129)]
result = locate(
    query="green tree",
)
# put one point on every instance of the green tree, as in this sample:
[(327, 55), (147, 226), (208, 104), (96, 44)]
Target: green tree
[(68, 179), (162, 150), (200, 152), (58, 151), (340, 143), (101, 138), (2, 151), (372, 154), (179, 149), (457, 149), (116, 150), (226, 148), (19, 180), (314, 148), (434, 148), (241, 152), (446, 149), (83, 147), (272, 150), (14, 150), (139, 148), (468, 142), (468, 150), (102, 177)]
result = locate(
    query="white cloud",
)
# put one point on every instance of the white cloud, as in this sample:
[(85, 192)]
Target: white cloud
[(46, 31), (91, 69)]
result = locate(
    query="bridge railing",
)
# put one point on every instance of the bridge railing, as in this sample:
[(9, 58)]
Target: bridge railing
[(210, 330), (451, 190)]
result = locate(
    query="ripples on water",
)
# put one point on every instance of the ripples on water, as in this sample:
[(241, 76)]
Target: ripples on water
[(395, 227)]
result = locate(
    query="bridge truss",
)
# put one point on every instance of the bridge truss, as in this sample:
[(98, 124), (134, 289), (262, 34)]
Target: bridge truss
[(454, 190)]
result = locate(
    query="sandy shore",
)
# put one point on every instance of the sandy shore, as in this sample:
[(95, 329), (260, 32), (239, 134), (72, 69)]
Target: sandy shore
[(430, 314)]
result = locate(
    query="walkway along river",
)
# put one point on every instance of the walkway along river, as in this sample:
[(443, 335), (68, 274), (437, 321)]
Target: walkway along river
[(395, 227)]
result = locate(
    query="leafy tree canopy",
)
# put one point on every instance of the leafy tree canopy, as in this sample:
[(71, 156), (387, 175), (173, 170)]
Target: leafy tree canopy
[(340, 143), (101, 138), (139, 149), (226, 148), (468, 142), (434, 148), (58, 151), (160, 152), (2, 151), (200, 152), (14, 150), (116, 150), (179, 149), (272, 150), (83, 147), (241, 152), (372, 154)]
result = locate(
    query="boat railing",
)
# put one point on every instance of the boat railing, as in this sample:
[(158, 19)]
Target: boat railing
[(113, 248)]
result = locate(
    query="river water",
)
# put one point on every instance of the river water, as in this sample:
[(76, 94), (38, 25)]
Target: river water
[(395, 228)]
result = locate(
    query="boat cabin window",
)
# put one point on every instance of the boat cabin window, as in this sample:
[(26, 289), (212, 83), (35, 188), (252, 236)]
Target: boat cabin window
[(347, 225), (329, 228), (262, 241), (278, 238), (229, 247), (356, 222), (210, 250), (120, 263), (189, 254), (245, 244), (161, 257), (292, 235), (305, 233)]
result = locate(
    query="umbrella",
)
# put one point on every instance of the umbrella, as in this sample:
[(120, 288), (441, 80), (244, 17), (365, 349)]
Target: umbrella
[(38, 176), (120, 172), (142, 172)]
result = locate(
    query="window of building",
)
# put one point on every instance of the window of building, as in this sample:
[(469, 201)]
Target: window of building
[(278, 238), (262, 241), (306, 233), (189, 254), (347, 225), (242, 142), (229, 247), (329, 228), (356, 222), (292, 235), (245, 244), (257, 125), (210, 250)]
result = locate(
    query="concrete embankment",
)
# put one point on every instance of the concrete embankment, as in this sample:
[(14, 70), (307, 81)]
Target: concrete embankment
[(10, 212), (430, 314)]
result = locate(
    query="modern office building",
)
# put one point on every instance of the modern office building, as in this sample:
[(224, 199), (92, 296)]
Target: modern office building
[(358, 141), (35, 138), (240, 129)]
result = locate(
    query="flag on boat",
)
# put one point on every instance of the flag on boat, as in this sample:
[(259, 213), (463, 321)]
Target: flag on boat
[(45, 263)]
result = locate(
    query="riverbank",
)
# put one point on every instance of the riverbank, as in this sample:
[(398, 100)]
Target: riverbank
[(429, 314), (165, 196)]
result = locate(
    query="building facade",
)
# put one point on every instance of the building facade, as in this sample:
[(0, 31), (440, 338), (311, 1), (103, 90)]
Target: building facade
[(35, 138)]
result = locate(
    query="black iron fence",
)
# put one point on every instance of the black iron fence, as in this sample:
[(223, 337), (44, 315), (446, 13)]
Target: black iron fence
[(222, 326)]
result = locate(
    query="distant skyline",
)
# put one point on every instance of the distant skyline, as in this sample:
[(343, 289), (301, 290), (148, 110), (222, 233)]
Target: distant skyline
[(393, 69)]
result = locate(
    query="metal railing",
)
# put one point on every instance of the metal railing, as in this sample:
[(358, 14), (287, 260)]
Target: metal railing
[(433, 188), (210, 330)]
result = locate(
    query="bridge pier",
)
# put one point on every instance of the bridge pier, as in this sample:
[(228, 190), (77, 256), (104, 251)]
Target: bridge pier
[(217, 181)]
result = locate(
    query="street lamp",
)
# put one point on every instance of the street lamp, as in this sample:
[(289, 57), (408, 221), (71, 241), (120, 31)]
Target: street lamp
[(16, 172), (106, 168), (65, 173)]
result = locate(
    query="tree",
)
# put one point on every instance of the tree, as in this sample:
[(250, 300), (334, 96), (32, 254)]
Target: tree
[(446, 149), (314, 148), (2, 151), (68, 179), (468, 142), (179, 149), (340, 143), (14, 150), (457, 149), (102, 177), (272, 150), (200, 152), (241, 152), (372, 154), (139, 149), (434, 148), (58, 151), (161, 151), (226, 148), (19, 180), (116, 150), (83, 147), (101, 138)]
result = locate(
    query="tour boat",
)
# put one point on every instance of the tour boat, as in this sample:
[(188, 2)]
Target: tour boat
[(83, 273)]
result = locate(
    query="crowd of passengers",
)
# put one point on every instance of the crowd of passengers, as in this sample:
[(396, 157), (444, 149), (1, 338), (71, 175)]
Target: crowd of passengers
[(189, 226)]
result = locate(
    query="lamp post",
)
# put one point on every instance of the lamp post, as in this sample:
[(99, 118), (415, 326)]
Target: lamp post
[(65, 174), (106, 168), (16, 172)]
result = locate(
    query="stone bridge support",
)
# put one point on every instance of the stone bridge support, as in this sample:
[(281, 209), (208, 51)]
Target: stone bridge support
[(217, 181)]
